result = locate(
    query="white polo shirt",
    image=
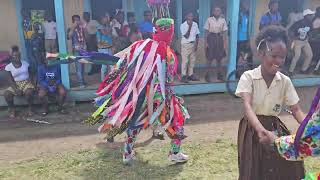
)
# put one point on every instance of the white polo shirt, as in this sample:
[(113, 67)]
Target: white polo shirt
[(193, 33), (50, 30), (267, 101)]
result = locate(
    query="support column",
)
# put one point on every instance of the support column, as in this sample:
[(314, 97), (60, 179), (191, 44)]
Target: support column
[(125, 9), (253, 7), (58, 6), (233, 38), (139, 7), (179, 17), (18, 4), (204, 13), (87, 6)]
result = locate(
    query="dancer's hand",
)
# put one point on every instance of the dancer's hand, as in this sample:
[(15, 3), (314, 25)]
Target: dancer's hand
[(266, 137)]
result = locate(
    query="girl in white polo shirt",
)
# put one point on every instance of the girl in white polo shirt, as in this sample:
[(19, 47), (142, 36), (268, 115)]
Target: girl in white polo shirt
[(264, 90)]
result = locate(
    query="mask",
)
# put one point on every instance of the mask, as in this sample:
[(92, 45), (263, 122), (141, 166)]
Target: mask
[(164, 30)]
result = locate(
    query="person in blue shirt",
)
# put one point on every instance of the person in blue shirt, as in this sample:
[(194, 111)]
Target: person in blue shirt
[(146, 27), (243, 50), (50, 84), (104, 39), (78, 39), (272, 17)]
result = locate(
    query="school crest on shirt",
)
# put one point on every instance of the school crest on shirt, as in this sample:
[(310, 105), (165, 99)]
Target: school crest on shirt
[(277, 108)]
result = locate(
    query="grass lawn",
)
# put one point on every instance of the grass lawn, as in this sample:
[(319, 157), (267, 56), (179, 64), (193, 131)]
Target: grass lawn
[(208, 160)]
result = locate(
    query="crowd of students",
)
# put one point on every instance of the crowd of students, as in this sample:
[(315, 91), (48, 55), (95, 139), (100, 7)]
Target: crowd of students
[(109, 34)]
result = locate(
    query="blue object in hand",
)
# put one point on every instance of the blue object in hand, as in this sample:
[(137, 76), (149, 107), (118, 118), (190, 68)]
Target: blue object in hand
[(52, 89)]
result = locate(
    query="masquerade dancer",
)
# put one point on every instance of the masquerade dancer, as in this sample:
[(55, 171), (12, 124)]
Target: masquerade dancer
[(137, 93)]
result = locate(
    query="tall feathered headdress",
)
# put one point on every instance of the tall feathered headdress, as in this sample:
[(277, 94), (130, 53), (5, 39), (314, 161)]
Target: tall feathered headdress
[(159, 8)]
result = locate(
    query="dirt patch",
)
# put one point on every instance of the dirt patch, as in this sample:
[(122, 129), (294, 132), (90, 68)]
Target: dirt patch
[(214, 116)]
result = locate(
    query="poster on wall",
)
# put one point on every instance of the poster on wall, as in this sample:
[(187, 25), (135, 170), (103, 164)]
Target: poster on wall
[(37, 16)]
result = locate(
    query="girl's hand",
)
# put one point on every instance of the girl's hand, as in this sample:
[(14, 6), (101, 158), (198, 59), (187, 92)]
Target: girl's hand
[(266, 137)]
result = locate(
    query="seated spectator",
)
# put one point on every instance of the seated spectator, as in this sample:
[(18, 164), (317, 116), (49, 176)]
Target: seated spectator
[(20, 82), (50, 84)]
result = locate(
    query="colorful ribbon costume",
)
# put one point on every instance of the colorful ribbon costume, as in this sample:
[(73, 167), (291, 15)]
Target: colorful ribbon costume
[(312, 176), (306, 142), (137, 93), (84, 57)]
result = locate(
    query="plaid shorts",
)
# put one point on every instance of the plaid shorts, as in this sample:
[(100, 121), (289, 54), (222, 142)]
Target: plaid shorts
[(21, 85)]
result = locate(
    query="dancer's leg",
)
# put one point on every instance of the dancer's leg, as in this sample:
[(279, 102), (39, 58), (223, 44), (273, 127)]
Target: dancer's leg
[(128, 153)]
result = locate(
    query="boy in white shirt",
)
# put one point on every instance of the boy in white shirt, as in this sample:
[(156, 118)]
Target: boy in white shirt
[(50, 35), (189, 46)]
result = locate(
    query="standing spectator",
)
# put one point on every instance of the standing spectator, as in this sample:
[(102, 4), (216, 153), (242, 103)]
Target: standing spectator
[(215, 41), (189, 46), (146, 27), (90, 26), (120, 30), (131, 19), (20, 82), (38, 48), (50, 35), (134, 34), (27, 32), (77, 35), (299, 34), (272, 17), (243, 49), (314, 40), (294, 16), (132, 23), (104, 37), (118, 24), (50, 83), (316, 20)]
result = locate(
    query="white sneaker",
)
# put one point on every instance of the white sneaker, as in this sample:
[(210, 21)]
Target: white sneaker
[(127, 160), (178, 158)]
